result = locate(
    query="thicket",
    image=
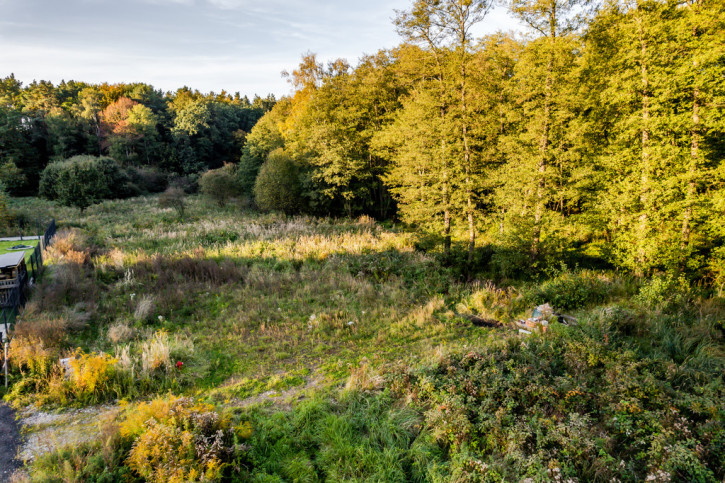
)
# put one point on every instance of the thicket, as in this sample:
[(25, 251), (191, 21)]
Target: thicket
[(596, 137), (82, 181), (141, 359), (629, 394), (304, 304)]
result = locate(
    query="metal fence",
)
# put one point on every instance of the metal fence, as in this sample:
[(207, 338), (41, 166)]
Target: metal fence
[(36, 259)]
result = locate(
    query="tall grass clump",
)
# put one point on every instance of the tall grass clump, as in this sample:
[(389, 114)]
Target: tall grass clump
[(145, 367), (567, 289)]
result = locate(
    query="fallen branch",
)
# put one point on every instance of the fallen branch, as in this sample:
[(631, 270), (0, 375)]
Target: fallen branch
[(480, 321)]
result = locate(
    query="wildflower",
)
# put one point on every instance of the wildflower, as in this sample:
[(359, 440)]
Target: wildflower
[(179, 364), (161, 318)]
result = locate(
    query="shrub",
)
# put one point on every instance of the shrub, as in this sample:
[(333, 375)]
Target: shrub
[(6, 217), (219, 185), (91, 375), (278, 185), (171, 440), (178, 440), (264, 138), (32, 355), (69, 246), (574, 289), (82, 181), (51, 330), (174, 198), (663, 292), (49, 181)]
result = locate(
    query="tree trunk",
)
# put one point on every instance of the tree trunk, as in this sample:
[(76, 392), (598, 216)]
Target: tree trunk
[(645, 198), (543, 155), (446, 217), (467, 157), (694, 160)]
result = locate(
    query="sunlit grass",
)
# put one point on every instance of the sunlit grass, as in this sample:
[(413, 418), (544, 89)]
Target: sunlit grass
[(315, 295)]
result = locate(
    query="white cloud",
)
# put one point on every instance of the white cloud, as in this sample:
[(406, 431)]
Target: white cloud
[(235, 45), (228, 4), (207, 73)]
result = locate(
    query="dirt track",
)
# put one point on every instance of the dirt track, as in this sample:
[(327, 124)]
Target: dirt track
[(9, 441)]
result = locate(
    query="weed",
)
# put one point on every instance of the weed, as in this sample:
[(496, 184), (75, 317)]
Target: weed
[(120, 332), (145, 308)]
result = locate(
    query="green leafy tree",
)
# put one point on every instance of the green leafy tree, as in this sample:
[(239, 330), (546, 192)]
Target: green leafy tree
[(174, 198), (265, 137), (541, 150), (278, 187), (444, 30), (661, 66), (337, 126), (220, 185), (82, 181)]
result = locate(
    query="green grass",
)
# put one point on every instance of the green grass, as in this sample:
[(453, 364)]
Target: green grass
[(318, 294), (262, 307), (6, 245)]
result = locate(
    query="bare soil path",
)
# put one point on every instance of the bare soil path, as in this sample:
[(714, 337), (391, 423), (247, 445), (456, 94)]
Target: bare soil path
[(9, 442)]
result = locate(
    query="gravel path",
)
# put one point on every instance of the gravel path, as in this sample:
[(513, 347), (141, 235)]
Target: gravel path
[(48, 431), (9, 441)]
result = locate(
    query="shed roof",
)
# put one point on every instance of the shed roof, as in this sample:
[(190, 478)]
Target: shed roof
[(11, 259)]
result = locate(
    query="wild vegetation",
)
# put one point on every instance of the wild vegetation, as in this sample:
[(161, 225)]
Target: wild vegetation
[(339, 300), (308, 348), (599, 132)]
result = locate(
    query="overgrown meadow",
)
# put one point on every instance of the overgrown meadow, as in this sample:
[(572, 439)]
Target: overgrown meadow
[(259, 347)]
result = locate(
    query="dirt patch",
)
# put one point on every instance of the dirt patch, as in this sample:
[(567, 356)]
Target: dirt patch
[(10, 437), (47, 431), (283, 399)]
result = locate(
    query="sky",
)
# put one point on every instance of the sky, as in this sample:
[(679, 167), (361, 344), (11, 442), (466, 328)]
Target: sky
[(209, 45)]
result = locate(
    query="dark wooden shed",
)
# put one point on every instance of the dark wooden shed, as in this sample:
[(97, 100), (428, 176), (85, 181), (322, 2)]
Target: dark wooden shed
[(12, 274)]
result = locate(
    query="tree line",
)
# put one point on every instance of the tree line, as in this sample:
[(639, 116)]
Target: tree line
[(142, 128), (600, 132)]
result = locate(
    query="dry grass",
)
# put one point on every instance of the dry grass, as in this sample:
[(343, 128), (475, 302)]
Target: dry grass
[(47, 328), (120, 332), (156, 353), (66, 284), (145, 308), (165, 270), (68, 246), (364, 378), (490, 301), (33, 354)]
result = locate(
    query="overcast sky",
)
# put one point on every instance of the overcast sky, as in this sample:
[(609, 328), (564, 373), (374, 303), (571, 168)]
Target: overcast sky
[(210, 45)]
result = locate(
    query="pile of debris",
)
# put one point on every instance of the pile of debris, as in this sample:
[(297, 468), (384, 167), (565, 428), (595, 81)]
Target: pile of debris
[(541, 318)]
